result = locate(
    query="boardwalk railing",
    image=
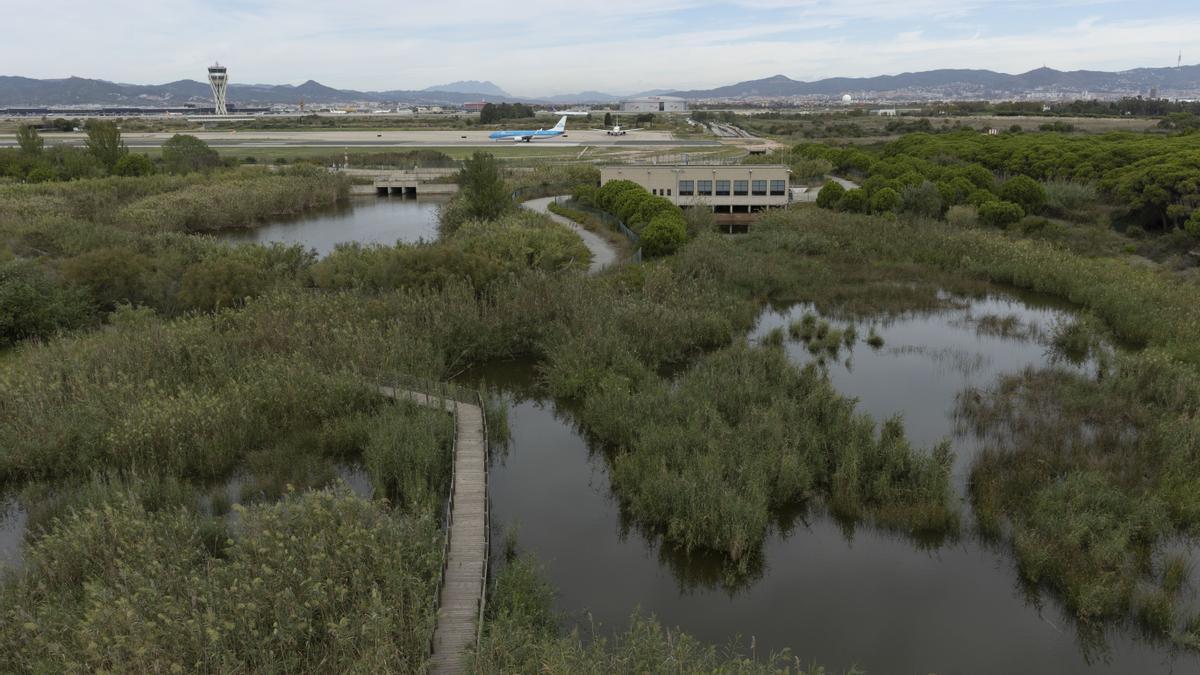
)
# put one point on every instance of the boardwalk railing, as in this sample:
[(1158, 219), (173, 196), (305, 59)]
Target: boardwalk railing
[(487, 523), (450, 398)]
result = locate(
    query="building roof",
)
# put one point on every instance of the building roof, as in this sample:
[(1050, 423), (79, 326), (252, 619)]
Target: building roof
[(654, 98)]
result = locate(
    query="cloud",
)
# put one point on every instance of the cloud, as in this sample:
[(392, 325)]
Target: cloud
[(549, 46)]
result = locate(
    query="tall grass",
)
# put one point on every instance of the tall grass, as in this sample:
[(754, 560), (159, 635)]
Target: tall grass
[(710, 459), (322, 580), (241, 202), (1070, 199)]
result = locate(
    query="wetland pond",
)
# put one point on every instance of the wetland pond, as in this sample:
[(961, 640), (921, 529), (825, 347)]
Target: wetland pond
[(366, 220), (869, 599)]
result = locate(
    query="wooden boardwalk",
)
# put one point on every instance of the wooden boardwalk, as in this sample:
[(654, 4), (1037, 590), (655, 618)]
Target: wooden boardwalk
[(461, 599)]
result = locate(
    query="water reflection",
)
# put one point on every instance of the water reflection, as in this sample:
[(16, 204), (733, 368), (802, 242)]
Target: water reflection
[(367, 220), (13, 521), (837, 595)]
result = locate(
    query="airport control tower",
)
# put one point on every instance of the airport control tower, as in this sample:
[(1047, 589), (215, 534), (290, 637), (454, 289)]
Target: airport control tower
[(219, 79)]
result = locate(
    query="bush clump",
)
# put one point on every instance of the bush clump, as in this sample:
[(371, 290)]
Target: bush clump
[(1000, 214), (831, 193)]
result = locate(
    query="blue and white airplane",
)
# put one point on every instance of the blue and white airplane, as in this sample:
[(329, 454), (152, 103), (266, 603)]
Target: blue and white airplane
[(530, 134)]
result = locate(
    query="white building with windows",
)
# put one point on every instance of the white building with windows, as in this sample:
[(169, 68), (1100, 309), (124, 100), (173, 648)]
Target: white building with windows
[(654, 104), (741, 188)]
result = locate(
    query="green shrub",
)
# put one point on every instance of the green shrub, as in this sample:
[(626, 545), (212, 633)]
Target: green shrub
[(40, 174), (1000, 214), (184, 153), (1193, 224), (854, 201), (664, 234), (134, 165), (111, 275), (32, 305), (1024, 191), (1066, 198), (221, 281), (922, 200), (962, 216), (886, 200), (829, 196)]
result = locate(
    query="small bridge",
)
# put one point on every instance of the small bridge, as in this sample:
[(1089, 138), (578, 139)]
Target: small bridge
[(462, 586), (418, 181)]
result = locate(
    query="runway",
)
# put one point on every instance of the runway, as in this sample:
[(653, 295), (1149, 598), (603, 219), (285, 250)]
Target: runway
[(380, 139)]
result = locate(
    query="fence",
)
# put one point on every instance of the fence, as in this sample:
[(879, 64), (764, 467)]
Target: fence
[(608, 219), (448, 397)]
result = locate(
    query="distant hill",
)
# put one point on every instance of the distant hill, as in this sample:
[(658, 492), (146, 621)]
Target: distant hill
[(946, 84), (954, 83), (484, 88), (24, 91)]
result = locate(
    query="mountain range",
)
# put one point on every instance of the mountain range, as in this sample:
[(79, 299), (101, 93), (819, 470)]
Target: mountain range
[(945, 83), (24, 91), (969, 83)]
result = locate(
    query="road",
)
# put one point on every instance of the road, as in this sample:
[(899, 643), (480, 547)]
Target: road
[(603, 254)]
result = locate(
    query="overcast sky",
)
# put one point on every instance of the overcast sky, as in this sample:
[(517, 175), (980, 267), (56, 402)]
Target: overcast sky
[(565, 46)]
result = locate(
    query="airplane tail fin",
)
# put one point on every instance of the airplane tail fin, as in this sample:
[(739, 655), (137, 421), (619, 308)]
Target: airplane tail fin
[(562, 124)]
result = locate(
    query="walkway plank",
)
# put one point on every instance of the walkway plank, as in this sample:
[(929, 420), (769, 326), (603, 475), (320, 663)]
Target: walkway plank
[(466, 562)]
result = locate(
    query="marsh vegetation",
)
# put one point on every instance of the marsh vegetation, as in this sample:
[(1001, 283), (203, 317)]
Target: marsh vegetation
[(149, 367)]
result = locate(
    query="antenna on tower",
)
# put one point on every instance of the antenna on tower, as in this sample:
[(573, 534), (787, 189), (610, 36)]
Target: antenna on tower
[(1179, 61)]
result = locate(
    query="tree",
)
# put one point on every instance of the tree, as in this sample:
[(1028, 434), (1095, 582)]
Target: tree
[(1000, 214), (483, 190), (1025, 191), (854, 201), (830, 194), (105, 144), (1193, 224), (922, 200), (220, 282), (111, 275), (664, 234), (608, 121), (32, 305), (30, 140), (184, 153), (886, 200), (134, 165)]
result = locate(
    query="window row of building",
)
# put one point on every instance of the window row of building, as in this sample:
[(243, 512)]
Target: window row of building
[(722, 188)]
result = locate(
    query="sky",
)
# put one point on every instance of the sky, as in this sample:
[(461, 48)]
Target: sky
[(546, 47)]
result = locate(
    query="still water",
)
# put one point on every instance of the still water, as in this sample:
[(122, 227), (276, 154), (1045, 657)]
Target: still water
[(366, 220), (868, 599)]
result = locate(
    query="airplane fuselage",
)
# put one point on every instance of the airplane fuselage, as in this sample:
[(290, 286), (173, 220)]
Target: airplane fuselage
[(529, 134), (526, 136)]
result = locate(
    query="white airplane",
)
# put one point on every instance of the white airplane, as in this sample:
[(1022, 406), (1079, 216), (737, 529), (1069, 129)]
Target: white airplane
[(617, 130)]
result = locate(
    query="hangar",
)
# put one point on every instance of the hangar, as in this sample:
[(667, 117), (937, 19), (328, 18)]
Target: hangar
[(654, 104)]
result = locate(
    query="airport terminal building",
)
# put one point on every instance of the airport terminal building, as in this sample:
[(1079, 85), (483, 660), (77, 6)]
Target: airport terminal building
[(732, 189)]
